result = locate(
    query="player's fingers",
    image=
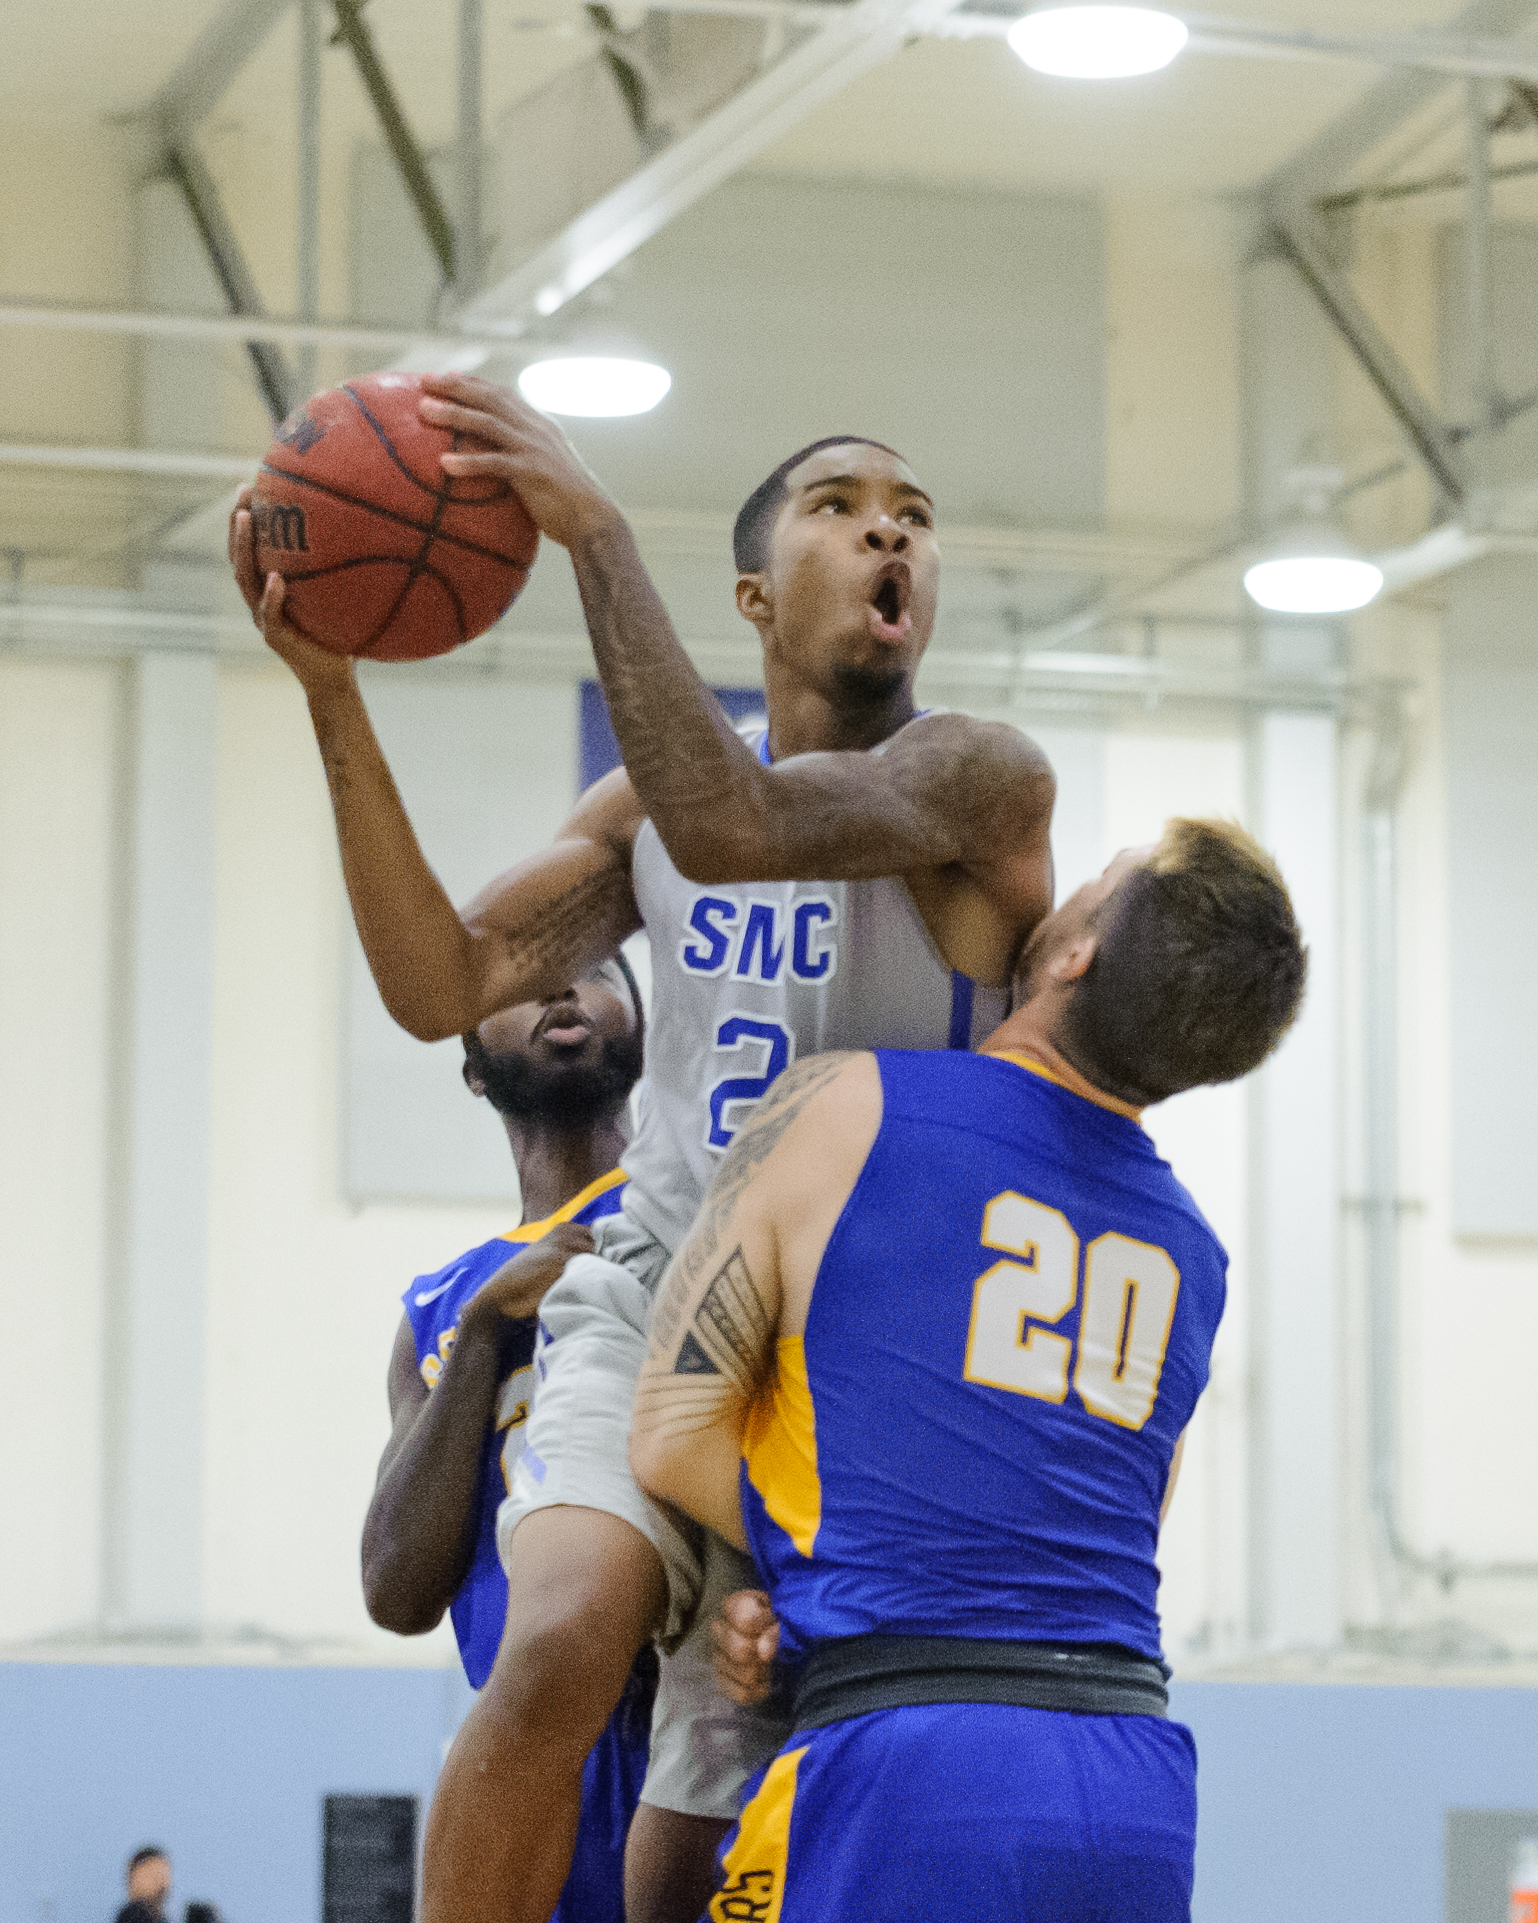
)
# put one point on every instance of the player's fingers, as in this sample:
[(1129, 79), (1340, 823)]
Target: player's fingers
[(740, 1661), (466, 420), (270, 611), (737, 1690), (472, 391), (730, 1641), (746, 1633), (242, 506), (456, 383), (749, 1611), (487, 463), (741, 1676), (243, 557)]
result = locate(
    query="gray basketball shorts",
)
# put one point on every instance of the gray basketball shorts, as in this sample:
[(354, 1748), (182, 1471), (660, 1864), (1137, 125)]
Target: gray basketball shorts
[(592, 1342)]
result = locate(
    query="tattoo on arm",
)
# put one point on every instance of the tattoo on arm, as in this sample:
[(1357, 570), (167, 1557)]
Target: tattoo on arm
[(755, 1141), (566, 921), (729, 1330), (750, 1149)]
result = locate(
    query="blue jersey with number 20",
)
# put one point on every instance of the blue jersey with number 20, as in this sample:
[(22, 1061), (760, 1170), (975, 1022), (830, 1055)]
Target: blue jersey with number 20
[(1008, 1332)]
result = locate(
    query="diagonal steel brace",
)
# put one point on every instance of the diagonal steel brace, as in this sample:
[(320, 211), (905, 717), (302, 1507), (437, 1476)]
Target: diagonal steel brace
[(1433, 440), (352, 31), (185, 166)]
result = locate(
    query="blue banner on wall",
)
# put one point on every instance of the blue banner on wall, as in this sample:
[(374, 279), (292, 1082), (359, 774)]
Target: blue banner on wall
[(598, 751)]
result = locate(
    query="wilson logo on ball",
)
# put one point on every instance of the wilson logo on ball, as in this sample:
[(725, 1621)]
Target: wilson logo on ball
[(300, 432), (280, 527)]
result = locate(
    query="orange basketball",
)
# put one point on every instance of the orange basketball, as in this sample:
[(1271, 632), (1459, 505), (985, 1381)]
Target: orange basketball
[(384, 555)]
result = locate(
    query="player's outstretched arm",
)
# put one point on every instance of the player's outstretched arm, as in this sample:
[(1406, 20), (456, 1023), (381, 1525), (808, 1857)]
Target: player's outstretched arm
[(419, 1534), (950, 791), (440, 972), (723, 1302)]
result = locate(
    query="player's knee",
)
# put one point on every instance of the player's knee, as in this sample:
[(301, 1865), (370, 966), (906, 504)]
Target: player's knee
[(559, 1670), (548, 1689)]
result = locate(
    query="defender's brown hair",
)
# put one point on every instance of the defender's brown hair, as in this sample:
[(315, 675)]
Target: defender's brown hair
[(1198, 968)]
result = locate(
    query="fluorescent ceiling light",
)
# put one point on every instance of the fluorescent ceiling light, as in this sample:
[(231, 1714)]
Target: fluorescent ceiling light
[(593, 386), (1097, 43), (1313, 583)]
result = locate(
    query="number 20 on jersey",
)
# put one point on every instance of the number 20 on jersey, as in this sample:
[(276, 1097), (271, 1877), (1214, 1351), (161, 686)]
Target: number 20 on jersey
[(1124, 1326)]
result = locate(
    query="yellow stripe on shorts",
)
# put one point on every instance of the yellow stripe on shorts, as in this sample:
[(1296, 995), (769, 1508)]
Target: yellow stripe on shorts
[(755, 1864)]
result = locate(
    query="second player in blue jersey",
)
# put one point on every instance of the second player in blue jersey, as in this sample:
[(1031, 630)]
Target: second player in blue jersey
[(558, 1072)]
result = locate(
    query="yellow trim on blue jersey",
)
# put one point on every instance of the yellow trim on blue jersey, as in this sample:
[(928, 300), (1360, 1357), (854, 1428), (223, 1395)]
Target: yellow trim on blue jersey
[(532, 1231), (1078, 1086), (755, 1864), (779, 1446)]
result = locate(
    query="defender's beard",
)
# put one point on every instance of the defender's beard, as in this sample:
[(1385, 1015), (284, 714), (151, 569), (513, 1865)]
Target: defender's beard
[(563, 1095)]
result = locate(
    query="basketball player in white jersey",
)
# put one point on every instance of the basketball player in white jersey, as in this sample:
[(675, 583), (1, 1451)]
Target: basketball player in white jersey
[(860, 877)]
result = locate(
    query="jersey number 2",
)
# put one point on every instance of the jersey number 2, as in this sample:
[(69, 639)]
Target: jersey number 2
[(1124, 1327), (738, 1032)]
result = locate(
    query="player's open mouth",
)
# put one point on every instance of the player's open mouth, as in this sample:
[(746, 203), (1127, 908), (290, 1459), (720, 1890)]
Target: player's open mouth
[(563, 1027), (889, 600)]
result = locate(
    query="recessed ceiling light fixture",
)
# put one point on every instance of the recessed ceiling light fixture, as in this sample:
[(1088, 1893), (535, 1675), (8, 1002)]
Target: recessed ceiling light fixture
[(594, 386), (1097, 43)]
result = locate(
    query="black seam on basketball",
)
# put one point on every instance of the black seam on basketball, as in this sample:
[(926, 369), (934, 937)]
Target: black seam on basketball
[(391, 514), (363, 561), (443, 491), (429, 535), (426, 571), (385, 442)]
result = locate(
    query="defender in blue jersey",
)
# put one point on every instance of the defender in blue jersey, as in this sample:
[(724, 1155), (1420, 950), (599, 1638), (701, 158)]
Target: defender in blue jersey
[(559, 1073), (929, 1353)]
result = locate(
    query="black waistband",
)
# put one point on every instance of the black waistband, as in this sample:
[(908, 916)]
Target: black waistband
[(857, 1674)]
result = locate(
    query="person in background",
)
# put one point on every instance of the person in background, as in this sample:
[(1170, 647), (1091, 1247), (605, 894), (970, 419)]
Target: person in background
[(149, 1884), (559, 1073)]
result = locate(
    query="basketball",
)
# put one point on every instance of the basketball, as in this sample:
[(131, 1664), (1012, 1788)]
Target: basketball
[(384, 555)]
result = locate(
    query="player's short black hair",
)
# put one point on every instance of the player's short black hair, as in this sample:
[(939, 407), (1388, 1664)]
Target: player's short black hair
[(146, 1855), (755, 518), (1198, 969)]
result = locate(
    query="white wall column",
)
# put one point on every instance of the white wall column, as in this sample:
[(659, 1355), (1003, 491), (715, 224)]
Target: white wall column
[(1295, 1318), (155, 1527)]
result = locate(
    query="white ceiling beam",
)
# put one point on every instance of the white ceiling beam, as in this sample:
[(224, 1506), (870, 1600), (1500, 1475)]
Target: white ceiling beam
[(1446, 549), (1461, 54), (860, 37), (1327, 160), (173, 464), (212, 62), (112, 626), (241, 328)]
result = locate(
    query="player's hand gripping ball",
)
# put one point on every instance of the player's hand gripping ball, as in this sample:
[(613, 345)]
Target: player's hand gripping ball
[(383, 554)]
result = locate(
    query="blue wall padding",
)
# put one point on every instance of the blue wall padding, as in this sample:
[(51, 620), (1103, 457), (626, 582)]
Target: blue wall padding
[(1324, 1803), (1320, 1804), (223, 1766)]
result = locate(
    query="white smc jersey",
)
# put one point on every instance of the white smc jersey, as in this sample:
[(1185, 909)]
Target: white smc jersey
[(748, 977)]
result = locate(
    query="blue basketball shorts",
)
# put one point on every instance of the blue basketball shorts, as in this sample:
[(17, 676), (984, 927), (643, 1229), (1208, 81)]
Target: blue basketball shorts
[(969, 1811)]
